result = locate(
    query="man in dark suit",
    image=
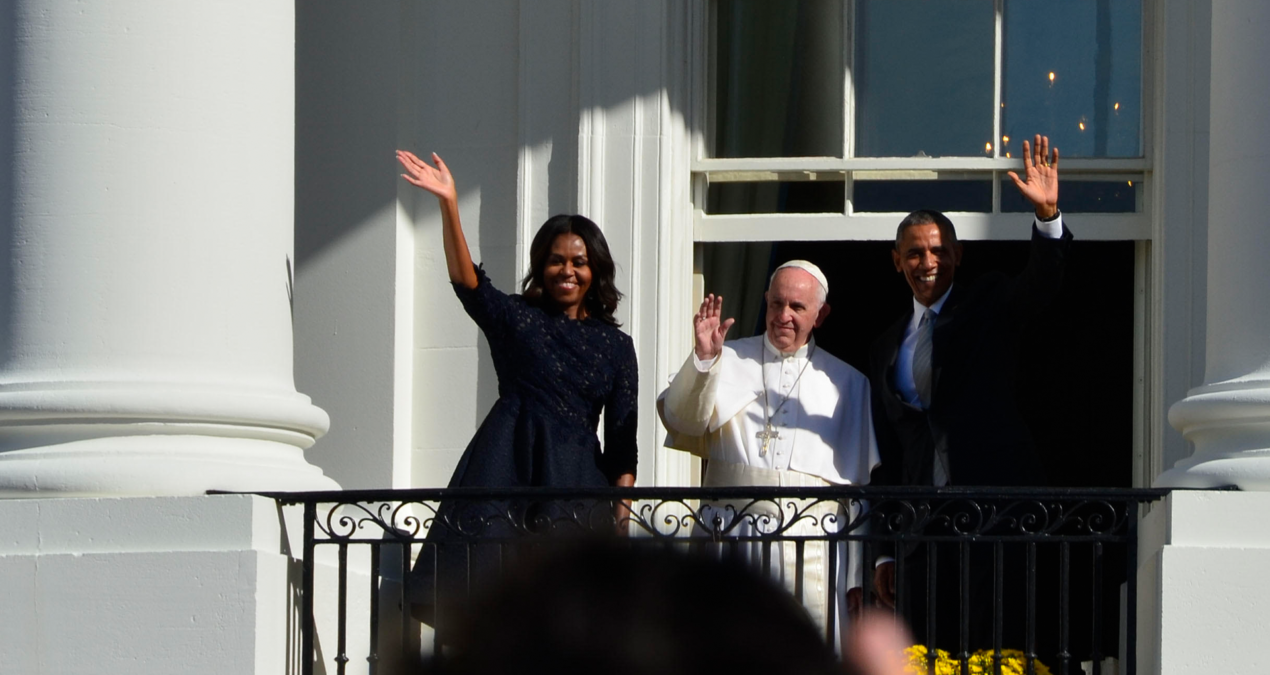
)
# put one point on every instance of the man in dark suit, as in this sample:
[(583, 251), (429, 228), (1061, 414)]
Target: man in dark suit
[(944, 402)]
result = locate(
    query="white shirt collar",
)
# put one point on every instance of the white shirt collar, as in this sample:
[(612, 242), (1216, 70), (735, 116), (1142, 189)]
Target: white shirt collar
[(919, 309), (800, 353)]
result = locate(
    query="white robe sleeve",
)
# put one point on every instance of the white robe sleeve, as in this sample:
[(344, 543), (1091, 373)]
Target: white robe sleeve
[(687, 405)]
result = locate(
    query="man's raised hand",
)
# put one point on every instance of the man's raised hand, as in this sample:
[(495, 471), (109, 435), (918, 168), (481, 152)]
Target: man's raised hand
[(709, 327), (1041, 186)]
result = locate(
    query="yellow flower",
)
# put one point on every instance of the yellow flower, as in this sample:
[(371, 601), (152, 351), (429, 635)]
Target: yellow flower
[(1013, 662), (944, 663)]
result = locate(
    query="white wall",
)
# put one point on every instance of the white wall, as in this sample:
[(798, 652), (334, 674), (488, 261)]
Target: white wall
[(165, 585), (539, 108)]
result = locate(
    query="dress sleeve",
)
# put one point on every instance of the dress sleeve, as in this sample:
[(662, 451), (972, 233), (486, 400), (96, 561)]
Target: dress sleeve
[(492, 310), (621, 415)]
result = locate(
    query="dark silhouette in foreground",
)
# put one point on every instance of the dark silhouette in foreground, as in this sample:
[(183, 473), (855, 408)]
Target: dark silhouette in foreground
[(634, 610)]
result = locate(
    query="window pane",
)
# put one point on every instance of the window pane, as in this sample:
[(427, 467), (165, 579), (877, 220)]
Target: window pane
[(1079, 196), (1079, 80), (923, 78), (779, 78), (904, 196), (793, 197)]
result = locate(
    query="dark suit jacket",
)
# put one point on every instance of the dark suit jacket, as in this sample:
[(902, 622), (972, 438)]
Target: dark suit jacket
[(973, 413)]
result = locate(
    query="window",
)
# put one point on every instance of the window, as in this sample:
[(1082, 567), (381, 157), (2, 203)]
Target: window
[(841, 109)]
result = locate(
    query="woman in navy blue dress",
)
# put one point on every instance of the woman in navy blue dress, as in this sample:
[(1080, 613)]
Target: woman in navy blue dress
[(561, 360)]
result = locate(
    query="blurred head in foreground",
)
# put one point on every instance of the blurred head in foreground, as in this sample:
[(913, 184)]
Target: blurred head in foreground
[(634, 611)]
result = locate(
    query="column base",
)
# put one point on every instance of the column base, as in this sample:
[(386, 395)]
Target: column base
[(92, 441), (1230, 427), (159, 465)]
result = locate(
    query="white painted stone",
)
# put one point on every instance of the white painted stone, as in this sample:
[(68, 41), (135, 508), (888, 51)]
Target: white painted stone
[(145, 294), (80, 526), (164, 585), (446, 396), (1203, 594)]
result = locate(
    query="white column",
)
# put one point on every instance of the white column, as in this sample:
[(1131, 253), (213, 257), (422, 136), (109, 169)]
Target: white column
[(1228, 417), (145, 324)]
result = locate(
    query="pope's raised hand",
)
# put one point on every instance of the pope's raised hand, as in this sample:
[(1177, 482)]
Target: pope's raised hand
[(710, 328), (1041, 185), (436, 180)]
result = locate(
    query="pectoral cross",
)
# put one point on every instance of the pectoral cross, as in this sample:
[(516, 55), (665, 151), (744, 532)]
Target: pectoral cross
[(767, 435)]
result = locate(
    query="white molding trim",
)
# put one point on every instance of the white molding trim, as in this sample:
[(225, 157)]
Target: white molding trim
[(1145, 435), (683, 21), (881, 226), (983, 164), (525, 150)]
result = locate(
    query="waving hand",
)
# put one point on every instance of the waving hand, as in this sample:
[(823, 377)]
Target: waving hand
[(1041, 184), (438, 181), (709, 328)]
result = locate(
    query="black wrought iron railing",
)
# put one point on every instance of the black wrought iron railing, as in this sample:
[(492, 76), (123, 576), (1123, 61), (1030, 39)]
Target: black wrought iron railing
[(1043, 576)]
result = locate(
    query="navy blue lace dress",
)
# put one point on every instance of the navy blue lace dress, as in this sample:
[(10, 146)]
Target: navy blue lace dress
[(555, 376)]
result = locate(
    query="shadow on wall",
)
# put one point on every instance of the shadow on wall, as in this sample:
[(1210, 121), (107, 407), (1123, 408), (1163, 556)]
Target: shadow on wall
[(347, 68), (444, 77)]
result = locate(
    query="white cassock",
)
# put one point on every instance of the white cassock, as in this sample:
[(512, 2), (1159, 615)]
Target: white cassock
[(818, 409)]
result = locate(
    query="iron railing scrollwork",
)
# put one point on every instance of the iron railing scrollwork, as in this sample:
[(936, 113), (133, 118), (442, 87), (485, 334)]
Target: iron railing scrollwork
[(1065, 548)]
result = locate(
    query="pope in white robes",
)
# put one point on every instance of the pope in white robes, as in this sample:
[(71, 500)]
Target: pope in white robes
[(774, 410)]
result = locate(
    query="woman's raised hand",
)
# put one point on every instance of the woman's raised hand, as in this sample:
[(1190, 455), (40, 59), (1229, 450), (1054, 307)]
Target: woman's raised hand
[(436, 180), (709, 328)]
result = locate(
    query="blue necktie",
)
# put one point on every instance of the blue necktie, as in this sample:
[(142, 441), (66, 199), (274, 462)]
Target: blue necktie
[(921, 357)]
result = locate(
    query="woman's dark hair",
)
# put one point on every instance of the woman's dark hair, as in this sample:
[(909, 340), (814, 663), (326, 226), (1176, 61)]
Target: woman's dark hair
[(602, 298)]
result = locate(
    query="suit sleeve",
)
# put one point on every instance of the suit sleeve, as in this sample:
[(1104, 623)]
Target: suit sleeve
[(890, 471), (1041, 280)]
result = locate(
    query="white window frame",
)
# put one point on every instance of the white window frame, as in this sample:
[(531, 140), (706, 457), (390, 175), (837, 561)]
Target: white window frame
[(850, 225)]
